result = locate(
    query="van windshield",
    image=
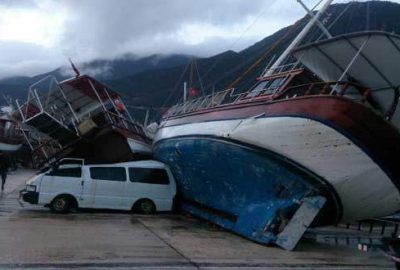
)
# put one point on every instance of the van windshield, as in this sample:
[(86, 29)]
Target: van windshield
[(66, 172)]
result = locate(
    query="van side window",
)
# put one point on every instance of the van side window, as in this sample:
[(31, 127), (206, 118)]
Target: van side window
[(149, 176), (66, 172), (108, 173)]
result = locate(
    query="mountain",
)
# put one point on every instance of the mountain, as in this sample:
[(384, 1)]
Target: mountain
[(160, 88), (126, 65), (156, 81)]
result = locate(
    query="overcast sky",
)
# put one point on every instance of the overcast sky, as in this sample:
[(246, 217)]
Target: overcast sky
[(38, 35)]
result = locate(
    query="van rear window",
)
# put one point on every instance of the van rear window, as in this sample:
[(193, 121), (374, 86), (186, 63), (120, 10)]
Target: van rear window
[(148, 176), (108, 173)]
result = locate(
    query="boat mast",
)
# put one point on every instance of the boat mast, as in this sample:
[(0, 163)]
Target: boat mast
[(299, 38)]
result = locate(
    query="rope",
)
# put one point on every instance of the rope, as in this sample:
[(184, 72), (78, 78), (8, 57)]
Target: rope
[(198, 75), (173, 91), (236, 41), (191, 73), (275, 45), (337, 18)]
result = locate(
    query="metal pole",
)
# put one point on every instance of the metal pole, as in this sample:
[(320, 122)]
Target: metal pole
[(349, 65), (269, 64), (97, 94), (44, 152), (127, 112), (20, 111), (184, 91), (115, 107), (299, 38), (69, 104), (320, 25), (146, 118), (37, 97), (112, 102), (99, 98), (28, 100)]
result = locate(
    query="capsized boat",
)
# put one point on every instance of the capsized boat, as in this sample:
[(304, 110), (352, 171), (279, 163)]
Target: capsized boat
[(82, 118), (312, 143)]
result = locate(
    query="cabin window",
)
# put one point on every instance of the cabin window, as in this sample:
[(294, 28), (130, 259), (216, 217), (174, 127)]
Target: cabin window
[(258, 89), (108, 173), (148, 176), (267, 87), (66, 172), (275, 85)]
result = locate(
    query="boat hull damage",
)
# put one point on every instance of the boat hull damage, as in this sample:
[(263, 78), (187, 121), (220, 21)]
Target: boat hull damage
[(252, 198)]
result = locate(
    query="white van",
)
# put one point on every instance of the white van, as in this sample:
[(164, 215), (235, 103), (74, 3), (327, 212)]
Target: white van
[(142, 186)]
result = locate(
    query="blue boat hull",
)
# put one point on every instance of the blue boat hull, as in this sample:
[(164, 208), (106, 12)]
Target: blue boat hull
[(250, 191)]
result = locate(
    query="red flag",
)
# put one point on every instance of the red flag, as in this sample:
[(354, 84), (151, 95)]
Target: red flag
[(193, 92), (75, 68), (119, 105)]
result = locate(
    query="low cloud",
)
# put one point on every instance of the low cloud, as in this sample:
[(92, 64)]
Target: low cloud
[(92, 29)]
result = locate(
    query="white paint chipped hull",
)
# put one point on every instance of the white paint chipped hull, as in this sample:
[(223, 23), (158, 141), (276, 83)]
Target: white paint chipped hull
[(139, 147), (363, 187), (6, 147)]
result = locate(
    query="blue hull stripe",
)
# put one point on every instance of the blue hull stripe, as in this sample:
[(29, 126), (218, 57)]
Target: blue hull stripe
[(221, 179)]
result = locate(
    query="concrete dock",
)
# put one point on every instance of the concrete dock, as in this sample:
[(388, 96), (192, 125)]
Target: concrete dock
[(31, 237)]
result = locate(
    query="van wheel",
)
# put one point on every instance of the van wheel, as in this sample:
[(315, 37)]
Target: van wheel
[(61, 205), (145, 207)]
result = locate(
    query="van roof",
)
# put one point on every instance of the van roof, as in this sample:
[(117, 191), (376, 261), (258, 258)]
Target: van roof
[(141, 163)]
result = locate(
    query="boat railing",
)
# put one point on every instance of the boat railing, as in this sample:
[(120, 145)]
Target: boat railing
[(34, 106), (43, 150), (342, 88), (227, 97), (118, 120), (281, 69), (67, 117), (205, 102)]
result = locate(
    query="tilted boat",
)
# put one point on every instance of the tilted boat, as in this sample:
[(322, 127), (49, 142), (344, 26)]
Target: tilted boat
[(309, 144), (81, 118), (11, 137)]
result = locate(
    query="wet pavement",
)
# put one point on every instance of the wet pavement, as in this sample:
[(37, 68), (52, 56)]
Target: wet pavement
[(31, 237)]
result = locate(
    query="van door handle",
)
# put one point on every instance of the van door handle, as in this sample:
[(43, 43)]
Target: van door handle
[(82, 183)]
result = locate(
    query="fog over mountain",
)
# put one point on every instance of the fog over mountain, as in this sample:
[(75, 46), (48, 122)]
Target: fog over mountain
[(40, 35)]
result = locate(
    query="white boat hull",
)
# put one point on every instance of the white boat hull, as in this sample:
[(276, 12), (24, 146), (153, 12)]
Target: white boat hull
[(363, 187), (139, 147), (5, 147)]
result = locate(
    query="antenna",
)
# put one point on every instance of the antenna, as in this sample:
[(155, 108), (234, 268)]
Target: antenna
[(299, 38)]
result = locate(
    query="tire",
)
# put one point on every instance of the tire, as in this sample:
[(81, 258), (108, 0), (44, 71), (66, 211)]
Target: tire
[(145, 207), (61, 204)]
